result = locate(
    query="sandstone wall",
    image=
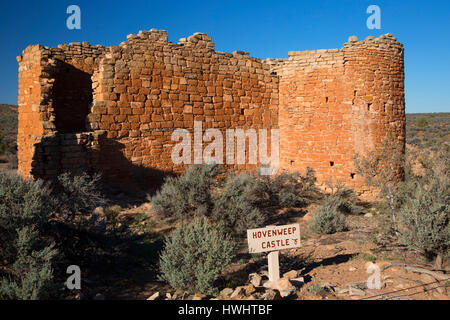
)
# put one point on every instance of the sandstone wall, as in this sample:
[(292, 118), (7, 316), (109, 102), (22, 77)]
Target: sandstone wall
[(147, 87), (114, 109), (55, 93), (335, 103), (30, 121)]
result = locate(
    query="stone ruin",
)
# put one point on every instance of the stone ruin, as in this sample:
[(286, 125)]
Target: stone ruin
[(113, 109)]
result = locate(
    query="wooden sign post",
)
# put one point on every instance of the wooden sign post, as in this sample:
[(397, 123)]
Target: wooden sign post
[(272, 239), (273, 265)]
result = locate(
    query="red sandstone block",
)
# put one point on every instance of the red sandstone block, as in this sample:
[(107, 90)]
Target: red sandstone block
[(133, 119), (144, 118), (104, 125), (125, 111), (107, 118), (120, 89), (113, 110), (138, 111), (134, 133)]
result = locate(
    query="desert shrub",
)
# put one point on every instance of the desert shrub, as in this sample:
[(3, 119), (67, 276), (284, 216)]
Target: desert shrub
[(44, 227), (31, 275), (245, 200), (422, 122), (384, 169), (143, 223), (7, 145), (81, 233), (188, 195), (329, 218), (194, 256), (236, 206), (425, 207), (112, 213), (286, 189), (425, 222), (78, 194), (25, 254), (344, 198)]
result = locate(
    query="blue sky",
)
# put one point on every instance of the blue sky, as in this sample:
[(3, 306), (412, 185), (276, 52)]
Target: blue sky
[(265, 28)]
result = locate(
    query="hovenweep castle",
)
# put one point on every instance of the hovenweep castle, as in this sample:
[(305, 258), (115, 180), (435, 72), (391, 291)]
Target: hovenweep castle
[(115, 109)]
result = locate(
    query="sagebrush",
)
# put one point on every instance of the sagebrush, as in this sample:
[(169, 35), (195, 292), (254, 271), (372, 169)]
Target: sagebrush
[(26, 255), (236, 202), (43, 227), (425, 207), (330, 217), (236, 206), (188, 195), (194, 256)]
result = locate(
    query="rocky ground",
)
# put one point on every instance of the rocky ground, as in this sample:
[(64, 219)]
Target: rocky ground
[(336, 266)]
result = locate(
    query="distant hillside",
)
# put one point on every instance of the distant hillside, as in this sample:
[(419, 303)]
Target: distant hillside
[(8, 120), (8, 137), (428, 129)]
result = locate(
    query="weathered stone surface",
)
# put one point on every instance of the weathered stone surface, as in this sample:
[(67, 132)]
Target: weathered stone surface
[(283, 285), (199, 296), (250, 289), (239, 291), (255, 279), (291, 274), (226, 292), (272, 295), (154, 296)]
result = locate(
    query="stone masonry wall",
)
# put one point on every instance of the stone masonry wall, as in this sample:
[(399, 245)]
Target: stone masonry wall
[(335, 103), (30, 122), (55, 93), (114, 109), (147, 87)]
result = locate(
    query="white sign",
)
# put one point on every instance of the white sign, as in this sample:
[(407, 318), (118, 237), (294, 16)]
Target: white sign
[(273, 238)]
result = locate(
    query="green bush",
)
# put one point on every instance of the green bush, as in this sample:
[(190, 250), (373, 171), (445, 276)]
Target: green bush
[(422, 123), (236, 203), (26, 254), (245, 200), (82, 234), (188, 195), (43, 228), (286, 189), (194, 256), (236, 206), (425, 207), (329, 217)]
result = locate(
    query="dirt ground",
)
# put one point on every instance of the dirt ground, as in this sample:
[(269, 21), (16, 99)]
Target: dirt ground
[(332, 266)]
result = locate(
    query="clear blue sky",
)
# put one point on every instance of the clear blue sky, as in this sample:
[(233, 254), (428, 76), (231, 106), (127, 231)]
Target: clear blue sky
[(265, 28)]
